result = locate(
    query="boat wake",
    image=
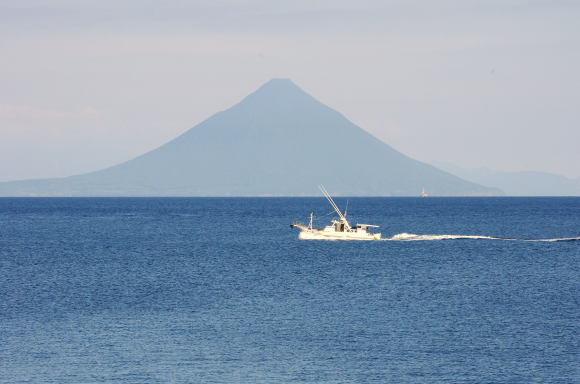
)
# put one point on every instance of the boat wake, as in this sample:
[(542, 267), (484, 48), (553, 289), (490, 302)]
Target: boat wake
[(412, 237)]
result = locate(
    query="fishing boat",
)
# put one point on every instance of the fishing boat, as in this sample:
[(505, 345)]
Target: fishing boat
[(340, 228), (424, 194)]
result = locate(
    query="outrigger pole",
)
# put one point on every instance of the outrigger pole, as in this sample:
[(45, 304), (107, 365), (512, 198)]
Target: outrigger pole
[(327, 195)]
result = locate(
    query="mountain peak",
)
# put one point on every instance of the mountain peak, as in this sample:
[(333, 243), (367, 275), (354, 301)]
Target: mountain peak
[(279, 140), (278, 87), (276, 94), (279, 83)]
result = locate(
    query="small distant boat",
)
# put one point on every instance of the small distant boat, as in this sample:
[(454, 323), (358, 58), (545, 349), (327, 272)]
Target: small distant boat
[(424, 194), (339, 229)]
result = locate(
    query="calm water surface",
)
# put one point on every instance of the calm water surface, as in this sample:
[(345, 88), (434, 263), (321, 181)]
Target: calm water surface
[(190, 290)]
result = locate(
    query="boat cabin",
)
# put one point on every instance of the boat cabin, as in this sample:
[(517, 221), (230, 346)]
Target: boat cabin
[(339, 226)]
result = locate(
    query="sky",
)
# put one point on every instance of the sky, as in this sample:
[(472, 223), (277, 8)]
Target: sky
[(84, 85)]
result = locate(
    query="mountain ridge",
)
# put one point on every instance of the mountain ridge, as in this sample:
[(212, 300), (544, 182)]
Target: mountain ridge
[(277, 141)]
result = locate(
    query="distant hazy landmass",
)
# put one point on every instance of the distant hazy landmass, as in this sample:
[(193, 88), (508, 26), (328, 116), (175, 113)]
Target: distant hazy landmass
[(278, 141), (523, 183), (35, 162)]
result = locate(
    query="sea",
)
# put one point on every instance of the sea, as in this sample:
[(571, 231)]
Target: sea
[(222, 290)]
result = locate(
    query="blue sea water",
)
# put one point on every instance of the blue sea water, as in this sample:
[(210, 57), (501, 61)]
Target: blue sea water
[(221, 290)]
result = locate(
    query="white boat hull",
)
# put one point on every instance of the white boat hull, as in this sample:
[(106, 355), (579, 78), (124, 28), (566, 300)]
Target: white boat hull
[(332, 234)]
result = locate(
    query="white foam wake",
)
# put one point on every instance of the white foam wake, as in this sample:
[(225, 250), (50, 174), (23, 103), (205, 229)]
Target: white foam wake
[(412, 237), (563, 239)]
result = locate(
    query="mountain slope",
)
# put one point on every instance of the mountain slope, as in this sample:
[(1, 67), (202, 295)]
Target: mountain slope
[(30, 162), (277, 141)]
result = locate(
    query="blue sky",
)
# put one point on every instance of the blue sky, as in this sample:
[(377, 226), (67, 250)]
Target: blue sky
[(475, 83)]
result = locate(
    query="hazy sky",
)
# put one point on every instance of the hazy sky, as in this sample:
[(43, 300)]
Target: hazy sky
[(476, 83)]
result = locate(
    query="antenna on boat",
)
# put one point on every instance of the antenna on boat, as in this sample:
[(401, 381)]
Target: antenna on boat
[(327, 195), (346, 209)]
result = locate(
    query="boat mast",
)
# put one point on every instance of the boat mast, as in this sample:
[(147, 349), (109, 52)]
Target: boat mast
[(327, 195)]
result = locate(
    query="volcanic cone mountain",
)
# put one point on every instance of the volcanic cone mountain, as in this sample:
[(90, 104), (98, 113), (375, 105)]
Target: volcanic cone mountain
[(277, 141)]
